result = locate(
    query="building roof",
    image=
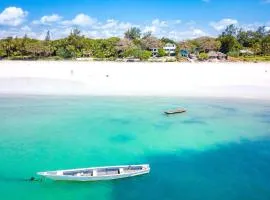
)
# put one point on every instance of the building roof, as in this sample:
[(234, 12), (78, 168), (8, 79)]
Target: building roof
[(170, 45)]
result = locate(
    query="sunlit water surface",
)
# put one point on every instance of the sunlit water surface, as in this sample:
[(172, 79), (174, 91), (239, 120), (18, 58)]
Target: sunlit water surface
[(219, 149)]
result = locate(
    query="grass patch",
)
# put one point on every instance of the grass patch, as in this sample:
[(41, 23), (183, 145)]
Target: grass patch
[(256, 58)]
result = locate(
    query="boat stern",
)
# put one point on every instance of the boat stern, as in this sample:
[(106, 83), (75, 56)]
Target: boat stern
[(51, 173), (41, 173)]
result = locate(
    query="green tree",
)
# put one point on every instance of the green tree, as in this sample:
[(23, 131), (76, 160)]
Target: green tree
[(261, 31), (132, 52), (35, 48), (7, 46), (70, 47), (63, 53), (137, 53), (206, 44), (2, 53), (266, 45), (123, 45), (133, 33), (167, 40), (229, 43), (105, 48), (147, 35), (243, 38), (48, 36), (256, 48), (75, 32), (230, 30)]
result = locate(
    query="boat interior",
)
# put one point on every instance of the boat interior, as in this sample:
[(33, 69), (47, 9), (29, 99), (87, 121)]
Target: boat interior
[(103, 171)]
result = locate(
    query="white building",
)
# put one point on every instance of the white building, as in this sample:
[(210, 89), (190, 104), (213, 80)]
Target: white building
[(246, 52), (170, 48), (154, 52)]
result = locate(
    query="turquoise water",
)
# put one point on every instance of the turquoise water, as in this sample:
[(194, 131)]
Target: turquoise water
[(220, 149)]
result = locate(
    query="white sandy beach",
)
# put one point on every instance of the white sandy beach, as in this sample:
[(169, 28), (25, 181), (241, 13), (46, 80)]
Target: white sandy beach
[(233, 80)]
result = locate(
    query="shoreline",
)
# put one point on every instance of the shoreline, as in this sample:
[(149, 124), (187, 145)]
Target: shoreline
[(76, 78)]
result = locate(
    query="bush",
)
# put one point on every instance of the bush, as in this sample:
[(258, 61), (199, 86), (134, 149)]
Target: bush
[(145, 55), (2, 53), (203, 56), (22, 58), (161, 52), (138, 53), (234, 54), (132, 52), (256, 58), (63, 53)]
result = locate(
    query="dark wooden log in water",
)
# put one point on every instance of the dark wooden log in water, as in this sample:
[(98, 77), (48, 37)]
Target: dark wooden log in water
[(174, 112)]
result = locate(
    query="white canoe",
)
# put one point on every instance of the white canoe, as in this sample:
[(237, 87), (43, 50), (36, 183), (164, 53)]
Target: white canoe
[(97, 173)]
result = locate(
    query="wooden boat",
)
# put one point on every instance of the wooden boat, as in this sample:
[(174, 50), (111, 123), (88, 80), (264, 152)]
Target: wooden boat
[(97, 173), (176, 111)]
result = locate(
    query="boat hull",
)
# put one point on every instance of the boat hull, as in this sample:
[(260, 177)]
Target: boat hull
[(174, 112), (56, 177)]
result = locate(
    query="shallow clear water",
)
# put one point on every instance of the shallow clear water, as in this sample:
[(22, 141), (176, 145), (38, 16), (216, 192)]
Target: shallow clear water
[(220, 149)]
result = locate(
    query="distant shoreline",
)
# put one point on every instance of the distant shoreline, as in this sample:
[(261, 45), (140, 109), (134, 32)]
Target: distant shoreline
[(221, 80)]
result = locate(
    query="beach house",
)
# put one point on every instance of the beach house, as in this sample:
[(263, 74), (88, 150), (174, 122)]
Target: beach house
[(170, 48), (184, 53)]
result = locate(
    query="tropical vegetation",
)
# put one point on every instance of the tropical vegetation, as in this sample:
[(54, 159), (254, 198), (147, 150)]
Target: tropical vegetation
[(235, 42)]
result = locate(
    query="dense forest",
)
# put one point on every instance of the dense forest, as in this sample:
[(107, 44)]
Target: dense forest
[(232, 41)]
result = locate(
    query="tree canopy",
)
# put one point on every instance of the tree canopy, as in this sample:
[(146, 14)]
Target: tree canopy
[(133, 33), (234, 39), (134, 44)]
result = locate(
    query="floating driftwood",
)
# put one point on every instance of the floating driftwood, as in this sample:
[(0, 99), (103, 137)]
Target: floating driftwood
[(176, 111)]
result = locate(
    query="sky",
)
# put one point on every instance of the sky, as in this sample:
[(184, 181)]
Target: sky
[(176, 19)]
